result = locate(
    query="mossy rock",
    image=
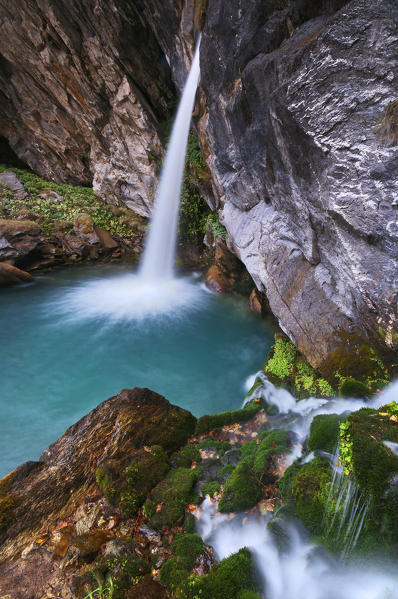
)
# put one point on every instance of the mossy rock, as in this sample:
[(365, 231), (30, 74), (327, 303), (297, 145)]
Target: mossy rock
[(241, 491), (324, 432), (211, 422), (273, 443), (129, 491), (353, 362), (188, 454), (362, 450), (175, 572), (211, 488), (286, 367), (310, 491), (173, 493), (227, 579), (350, 387)]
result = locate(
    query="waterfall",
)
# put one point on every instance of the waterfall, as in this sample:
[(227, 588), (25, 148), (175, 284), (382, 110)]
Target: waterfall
[(158, 259), (349, 507)]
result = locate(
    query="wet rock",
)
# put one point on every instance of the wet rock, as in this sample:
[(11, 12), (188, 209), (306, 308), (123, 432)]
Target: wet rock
[(10, 180), (18, 240), (300, 94), (11, 275), (99, 75), (57, 509)]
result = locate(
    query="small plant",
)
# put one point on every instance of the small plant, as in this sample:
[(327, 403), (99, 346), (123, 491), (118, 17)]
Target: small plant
[(103, 591)]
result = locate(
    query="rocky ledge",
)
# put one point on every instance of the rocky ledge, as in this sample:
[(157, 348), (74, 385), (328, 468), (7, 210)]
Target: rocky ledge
[(110, 507)]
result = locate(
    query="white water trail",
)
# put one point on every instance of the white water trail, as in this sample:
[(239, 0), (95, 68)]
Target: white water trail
[(158, 259), (154, 292), (290, 566)]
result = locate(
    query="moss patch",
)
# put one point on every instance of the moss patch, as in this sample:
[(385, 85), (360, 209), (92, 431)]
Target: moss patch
[(75, 200), (241, 491), (170, 498), (286, 367), (324, 432), (226, 579), (355, 368), (213, 421)]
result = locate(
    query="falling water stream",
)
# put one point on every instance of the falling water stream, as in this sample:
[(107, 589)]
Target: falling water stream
[(298, 568)]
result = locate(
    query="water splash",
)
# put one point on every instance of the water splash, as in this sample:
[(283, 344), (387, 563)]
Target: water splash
[(154, 292), (290, 566), (347, 506), (158, 259)]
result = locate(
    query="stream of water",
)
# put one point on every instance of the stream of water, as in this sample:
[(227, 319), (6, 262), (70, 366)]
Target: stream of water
[(297, 568)]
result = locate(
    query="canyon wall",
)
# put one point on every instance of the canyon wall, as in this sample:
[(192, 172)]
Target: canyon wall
[(298, 124)]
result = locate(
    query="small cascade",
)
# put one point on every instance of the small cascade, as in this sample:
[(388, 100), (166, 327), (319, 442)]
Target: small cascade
[(158, 259), (346, 508)]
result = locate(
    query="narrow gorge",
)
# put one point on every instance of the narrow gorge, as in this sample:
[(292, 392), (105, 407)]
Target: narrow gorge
[(265, 311)]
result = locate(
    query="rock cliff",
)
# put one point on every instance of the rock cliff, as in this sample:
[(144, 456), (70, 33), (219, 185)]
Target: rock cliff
[(307, 182), (298, 125)]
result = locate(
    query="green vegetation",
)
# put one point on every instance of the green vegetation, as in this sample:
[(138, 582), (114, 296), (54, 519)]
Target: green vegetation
[(75, 200), (102, 591), (356, 368), (175, 572), (188, 454), (227, 579), (362, 450), (213, 421), (146, 469), (171, 495), (286, 367), (211, 488), (324, 432), (219, 446), (241, 491)]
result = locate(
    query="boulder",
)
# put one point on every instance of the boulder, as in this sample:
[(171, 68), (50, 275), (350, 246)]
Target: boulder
[(18, 239), (10, 180), (11, 275), (53, 517)]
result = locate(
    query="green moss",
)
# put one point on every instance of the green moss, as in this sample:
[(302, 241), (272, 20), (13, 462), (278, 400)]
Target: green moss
[(356, 361), (187, 549), (211, 488), (286, 367), (146, 469), (324, 432), (362, 450), (275, 442), (281, 362), (310, 491), (241, 491), (225, 472), (125, 571), (226, 579), (248, 595), (173, 494), (350, 387), (75, 201), (189, 523), (175, 572), (213, 421), (188, 454), (219, 446)]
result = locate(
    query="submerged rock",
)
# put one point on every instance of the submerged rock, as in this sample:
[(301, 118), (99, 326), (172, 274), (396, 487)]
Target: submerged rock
[(10, 275)]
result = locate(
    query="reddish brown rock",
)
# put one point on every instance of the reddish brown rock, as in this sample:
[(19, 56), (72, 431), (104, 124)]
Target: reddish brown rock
[(11, 275)]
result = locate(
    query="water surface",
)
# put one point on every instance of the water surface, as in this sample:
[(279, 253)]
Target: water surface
[(61, 355)]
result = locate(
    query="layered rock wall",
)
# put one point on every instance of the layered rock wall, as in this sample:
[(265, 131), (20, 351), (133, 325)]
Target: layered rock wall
[(307, 183), (83, 87), (299, 126)]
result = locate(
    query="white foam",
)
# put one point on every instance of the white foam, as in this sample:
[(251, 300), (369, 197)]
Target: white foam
[(130, 298)]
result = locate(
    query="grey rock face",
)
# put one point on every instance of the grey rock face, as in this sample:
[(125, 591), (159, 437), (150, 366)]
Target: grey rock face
[(307, 186), (10, 180), (84, 85)]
